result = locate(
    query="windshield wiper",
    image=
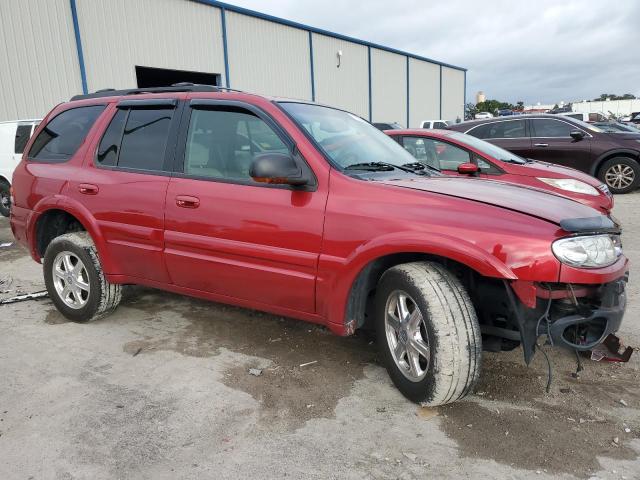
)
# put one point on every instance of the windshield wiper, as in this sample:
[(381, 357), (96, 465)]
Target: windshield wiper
[(420, 166), (371, 166)]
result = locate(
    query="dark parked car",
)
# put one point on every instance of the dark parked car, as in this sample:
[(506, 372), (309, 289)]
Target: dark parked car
[(388, 126), (612, 157)]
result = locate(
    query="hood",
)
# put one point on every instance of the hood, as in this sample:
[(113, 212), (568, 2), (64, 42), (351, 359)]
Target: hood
[(550, 170), (534, 202)]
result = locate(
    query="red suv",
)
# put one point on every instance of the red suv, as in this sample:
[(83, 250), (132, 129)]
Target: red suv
[(310, 212), (455, 153)]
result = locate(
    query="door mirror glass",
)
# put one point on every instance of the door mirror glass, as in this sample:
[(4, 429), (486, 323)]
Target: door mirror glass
[(577, 134), (468, 168), (278, 169)]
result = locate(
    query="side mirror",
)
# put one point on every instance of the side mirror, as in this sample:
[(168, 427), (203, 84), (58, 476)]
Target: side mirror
[(468, 169), (278, 169), (577, 134)]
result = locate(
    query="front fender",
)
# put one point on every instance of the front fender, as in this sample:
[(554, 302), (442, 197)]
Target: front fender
[(82, 214), (337, 275)]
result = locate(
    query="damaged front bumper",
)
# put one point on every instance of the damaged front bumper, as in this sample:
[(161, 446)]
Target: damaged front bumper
[(573, 316)]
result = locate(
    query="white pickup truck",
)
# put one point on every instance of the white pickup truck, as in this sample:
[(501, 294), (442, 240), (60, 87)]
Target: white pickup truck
[(14, 135)]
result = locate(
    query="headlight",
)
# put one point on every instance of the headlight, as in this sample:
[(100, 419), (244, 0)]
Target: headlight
[(593, 251), (570, 185)]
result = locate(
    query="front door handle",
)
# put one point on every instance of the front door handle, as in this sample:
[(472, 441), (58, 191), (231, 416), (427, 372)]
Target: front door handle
[(187, 201), (88, 189), (540, 144)]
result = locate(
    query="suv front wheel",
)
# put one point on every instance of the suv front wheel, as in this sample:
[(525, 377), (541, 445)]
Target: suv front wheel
[(75, 281), (621, 174), (428, 333)]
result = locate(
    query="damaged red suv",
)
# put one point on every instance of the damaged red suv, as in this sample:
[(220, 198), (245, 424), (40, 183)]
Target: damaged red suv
[(310, 212)]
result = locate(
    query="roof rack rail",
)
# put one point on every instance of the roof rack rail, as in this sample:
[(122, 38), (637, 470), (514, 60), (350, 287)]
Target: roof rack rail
[(176, 87)]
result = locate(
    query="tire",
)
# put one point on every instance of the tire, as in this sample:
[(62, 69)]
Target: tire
[(620, 174), (78, 289), (446, 323), (5, 199)]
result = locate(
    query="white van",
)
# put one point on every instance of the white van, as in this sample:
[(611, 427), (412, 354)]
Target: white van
[(587, 117), (14, 136), (434, 124)]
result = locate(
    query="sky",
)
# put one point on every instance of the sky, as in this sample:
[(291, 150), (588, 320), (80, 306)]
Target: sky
[(533, 51)]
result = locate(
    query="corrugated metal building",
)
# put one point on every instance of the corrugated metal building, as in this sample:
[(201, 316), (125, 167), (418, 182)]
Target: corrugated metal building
[(53, 49)]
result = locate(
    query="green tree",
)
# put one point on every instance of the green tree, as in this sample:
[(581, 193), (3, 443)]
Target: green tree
[(492, 106)]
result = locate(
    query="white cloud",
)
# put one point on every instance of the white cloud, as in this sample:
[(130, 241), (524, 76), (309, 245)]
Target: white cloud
[(541, 50)]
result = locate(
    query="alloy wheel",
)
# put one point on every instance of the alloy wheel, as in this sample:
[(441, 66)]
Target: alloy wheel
[(407, 336), (619, 176), (71, 280)]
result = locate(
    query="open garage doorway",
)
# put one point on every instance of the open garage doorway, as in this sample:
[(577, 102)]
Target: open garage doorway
[(148, 77)]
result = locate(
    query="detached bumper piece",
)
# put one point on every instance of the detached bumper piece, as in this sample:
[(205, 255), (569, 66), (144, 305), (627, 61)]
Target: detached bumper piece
[(572, 316)]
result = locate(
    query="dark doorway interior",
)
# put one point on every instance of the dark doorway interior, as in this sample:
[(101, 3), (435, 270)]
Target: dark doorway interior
[(161, 77)]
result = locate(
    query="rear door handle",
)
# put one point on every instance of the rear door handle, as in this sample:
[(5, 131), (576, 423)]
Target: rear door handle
[(88, 189), (540, 144), (186, 201)]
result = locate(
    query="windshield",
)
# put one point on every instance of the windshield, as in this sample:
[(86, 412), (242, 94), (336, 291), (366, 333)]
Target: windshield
[(487, 148), (348, 140)]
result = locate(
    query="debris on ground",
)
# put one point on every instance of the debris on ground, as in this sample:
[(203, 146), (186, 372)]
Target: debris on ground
[(256, 372), (137, 352), (381, 409), (622, 402), (308, 363), (6, 244), (611, 350), (24, 298), (410, 456)]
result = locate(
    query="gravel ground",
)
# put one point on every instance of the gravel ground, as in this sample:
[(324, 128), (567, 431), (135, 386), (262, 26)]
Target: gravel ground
[(162, 389)]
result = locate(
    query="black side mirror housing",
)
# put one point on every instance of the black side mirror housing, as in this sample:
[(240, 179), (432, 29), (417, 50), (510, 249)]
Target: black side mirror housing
[(277, 169), (577, 134)]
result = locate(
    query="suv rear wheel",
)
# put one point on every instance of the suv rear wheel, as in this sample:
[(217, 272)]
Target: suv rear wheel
[(75, 281), (5, 198), (428, 333), (621, 174)]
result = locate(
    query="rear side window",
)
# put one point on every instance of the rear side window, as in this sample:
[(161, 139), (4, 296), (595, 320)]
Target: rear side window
[(59, 140), (136, 138), (509, 129), (23, 132)]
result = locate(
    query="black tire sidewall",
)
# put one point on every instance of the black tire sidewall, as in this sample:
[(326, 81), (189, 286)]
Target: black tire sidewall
[(5, 190), (87, 312), (398, 280), (620, 161)]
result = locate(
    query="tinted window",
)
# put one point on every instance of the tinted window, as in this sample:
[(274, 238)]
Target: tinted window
[(440, 125), (510, 129), (433, 152), (543, 127), (145, 138), (110, 143), (577, 116), (23, 132), (222, 143), (63, 135)]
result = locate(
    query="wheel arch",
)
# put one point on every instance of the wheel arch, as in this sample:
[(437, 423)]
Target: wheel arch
[(352, 291), (55, 217), (618, 152)]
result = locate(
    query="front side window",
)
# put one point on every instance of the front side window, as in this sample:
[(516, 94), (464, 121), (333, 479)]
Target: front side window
[(223, 142), (346, 139), (508, 129), (23, 132), (59, 140), (549, 128)]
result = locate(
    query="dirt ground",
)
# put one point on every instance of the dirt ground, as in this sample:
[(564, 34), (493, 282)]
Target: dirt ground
[(162, 390)]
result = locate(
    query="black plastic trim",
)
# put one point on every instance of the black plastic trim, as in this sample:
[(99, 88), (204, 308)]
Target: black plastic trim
[(149, 104), (589, 224)]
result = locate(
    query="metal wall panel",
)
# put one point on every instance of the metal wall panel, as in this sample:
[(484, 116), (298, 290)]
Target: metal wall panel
[(38, 58), (452, 94), (388, 87), (119, 34), (268, 58), (346, 86), (424, 92)]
